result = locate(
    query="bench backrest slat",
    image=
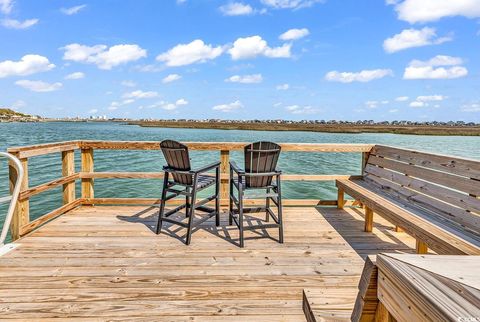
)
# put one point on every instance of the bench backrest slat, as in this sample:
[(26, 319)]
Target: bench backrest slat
[(462, 167), (447, 187), (453, 197)]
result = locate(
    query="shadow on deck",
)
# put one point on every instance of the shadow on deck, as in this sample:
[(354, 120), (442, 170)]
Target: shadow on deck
[(107, 263)]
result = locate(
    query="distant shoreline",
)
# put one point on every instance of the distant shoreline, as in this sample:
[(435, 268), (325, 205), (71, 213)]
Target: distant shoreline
[(325, 128)]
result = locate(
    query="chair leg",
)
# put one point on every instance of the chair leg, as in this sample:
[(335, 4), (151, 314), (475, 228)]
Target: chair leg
[(240, 215), (187, 204), (192, 212), (280, 212), (162, 204), (267, 206), (217, 198), (230, 201)]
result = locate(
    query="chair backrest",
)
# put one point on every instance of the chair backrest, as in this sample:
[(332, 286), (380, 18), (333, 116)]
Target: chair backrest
[(448, 187), (260, 157), (176, 155)]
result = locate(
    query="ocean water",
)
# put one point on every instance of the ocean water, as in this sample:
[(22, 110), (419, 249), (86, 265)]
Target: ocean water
[(45, 168)]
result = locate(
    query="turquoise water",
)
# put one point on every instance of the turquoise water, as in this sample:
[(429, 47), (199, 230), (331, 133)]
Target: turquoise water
[(46, 168)]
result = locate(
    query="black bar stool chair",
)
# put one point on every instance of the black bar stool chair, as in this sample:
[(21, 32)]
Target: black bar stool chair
[(187, 182), (260, 169)]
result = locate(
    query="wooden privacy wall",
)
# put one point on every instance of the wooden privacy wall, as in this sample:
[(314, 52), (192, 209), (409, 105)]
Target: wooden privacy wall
[(21, 223)]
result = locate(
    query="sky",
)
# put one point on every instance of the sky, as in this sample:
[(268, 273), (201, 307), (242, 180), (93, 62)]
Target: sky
[(264, 59)]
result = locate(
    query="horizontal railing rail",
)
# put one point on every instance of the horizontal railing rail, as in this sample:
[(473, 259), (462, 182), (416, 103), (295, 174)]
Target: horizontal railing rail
[(22, 225)]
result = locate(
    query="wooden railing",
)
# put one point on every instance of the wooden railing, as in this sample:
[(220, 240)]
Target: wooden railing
[(22, 225)]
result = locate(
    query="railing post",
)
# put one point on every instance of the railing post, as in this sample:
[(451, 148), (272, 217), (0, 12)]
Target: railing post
[(87, 166), (224, 169), (68, 168), (21, 215)]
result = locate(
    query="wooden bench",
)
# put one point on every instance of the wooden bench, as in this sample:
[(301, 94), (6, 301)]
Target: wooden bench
[(433, 198)]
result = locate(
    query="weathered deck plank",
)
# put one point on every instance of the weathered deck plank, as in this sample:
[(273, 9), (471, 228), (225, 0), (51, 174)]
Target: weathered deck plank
[(105, 263)]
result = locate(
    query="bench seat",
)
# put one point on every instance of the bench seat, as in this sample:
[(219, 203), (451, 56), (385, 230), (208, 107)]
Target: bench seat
[(437, 232)]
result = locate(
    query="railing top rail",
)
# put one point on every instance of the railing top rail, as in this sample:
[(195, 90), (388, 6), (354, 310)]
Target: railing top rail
[(41, 149)]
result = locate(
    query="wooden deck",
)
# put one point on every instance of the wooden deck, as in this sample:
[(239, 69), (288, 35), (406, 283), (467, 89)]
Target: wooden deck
[(105, 263)]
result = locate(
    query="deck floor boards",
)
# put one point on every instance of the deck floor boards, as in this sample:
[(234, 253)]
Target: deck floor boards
[(105, 263)]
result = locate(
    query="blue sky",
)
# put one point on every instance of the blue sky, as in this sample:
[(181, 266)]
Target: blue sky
[(290, 59)]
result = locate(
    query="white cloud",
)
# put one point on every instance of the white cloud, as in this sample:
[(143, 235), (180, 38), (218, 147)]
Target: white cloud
[(294, 34), (431, 98), (393, 110), (415, 11), (434, 68), (73, 10), (362, 76), (115, 105), (375, 104), (401, 98), (170, 106), (140, 94), (251, 47), (28, 64), (283, 87), (17, 24), (371, 104), (423, 100), (245, 79), (236, 9), (290, 4), (185, 54), (102, 56), (297, 109), (228, 107), (6, 6), (76, 75), (128, 83), (409, 38), (171, 78), (417, 104), (474, 107), (93, 111), (39, 86), (181, 102)]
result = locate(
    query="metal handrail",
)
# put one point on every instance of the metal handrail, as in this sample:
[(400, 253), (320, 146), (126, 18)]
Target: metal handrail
[(14, 197)]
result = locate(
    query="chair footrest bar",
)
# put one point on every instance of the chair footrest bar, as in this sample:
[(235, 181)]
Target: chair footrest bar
[(204, 201), (261, 195), (175, 222), (173, 211), (205, 209)]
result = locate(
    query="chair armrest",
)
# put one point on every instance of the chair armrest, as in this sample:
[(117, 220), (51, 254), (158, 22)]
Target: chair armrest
[(262, 174), (234, 167), (170, 170), (206, 168)]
